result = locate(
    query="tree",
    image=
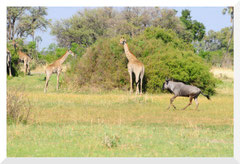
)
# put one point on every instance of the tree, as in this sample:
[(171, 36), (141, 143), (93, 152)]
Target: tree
[(84, 27), (38, 40), (196, 28), (87, 26), (230, 11), (186, 19), (29, 23), (214, 45), (14, 14)]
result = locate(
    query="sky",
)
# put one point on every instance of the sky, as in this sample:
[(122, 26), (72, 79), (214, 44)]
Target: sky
[(211, 17)]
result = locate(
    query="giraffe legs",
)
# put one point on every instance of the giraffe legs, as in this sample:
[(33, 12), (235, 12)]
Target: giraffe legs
[(28, 68), (58, 73), (47, 80), (137, 81), (130, 74), (141, 78), (25, 67)]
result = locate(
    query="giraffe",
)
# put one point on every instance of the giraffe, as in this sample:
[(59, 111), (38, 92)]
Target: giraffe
[(134, 66), (9, 64), (56, 68), (23, 57)]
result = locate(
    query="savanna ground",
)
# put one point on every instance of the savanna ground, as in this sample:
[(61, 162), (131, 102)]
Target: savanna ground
[(116, 124)]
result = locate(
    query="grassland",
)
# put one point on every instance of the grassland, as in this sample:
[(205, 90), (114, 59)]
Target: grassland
[(77, 124)]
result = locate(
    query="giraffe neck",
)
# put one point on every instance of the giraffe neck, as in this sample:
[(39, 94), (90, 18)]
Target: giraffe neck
[(63, 58), (129, 55)]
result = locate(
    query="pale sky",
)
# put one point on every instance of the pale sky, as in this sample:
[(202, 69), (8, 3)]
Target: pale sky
[(211, 17)]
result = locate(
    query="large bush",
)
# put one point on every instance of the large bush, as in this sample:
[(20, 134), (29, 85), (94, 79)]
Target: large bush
[(104, 65)]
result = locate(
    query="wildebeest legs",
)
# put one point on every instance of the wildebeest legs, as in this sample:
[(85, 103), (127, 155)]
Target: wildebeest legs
[(171, 102), (196, 101), (189, 103)]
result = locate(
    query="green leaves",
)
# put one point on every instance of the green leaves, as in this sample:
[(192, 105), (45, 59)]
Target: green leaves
[(162, 52), (196, 28)]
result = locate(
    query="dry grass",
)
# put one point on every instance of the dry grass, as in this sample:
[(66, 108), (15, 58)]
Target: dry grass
[(84, 124), (18, 106), (223, 73), (129, 109)]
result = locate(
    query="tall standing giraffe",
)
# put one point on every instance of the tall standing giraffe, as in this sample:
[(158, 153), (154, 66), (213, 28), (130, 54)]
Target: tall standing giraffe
[(134, 66), (9, 62), (56, 68), (23, 57)]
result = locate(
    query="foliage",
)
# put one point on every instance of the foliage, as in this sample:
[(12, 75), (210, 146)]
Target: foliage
[(96, 66), (51, 56), (29, 49), (215, 45), (86, 27), (163, 53), (196, 28), (14, 14), (24, 21), (54, 52)]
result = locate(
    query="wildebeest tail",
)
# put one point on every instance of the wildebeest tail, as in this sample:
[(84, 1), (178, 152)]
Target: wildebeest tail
[(206, 96)]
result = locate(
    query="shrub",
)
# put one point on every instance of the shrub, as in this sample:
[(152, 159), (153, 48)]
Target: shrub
[(18, 107), (213, 57), (104, 65)]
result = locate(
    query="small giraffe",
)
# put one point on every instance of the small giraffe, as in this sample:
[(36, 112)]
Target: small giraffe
[(23, 57), (134, 66), (9, 64), (56, 68)]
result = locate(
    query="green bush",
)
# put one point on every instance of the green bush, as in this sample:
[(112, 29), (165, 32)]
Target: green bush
[(104, 65), (213, 57), (52, 56)]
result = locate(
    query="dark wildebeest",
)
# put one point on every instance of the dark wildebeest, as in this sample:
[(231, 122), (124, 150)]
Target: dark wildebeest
[(184, 90)]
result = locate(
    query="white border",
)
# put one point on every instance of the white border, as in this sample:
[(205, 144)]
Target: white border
[(101, 3), (3, 44), (236, 82)]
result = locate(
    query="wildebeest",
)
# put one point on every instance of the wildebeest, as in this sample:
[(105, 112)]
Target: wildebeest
[(184, 90)]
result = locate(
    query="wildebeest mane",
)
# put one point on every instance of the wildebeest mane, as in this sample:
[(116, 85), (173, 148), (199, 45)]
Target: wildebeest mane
[(176, 80)]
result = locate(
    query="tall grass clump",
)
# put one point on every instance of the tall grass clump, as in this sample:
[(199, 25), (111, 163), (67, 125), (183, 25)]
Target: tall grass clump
[(162, 52), (18, 107)]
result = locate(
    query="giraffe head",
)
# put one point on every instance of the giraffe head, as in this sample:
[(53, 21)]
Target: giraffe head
[(70, 52), (122, 40)]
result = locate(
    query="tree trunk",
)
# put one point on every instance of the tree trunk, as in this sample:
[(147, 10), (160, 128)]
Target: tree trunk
[(13, 30), (37, 50), (9, 28)]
